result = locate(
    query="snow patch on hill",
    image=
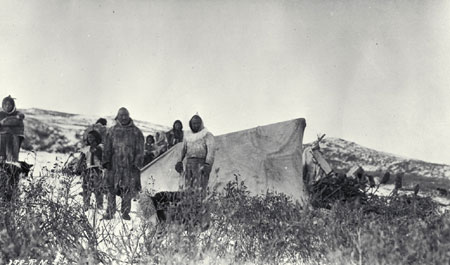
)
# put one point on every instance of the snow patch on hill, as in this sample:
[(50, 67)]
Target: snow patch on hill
[(54, 131), (342, 155)]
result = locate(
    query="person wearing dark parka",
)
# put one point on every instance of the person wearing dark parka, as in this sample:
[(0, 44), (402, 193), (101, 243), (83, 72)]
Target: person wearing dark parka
[(149, 149), (11, 130), (123, 158), (175, 135), (11, 138)]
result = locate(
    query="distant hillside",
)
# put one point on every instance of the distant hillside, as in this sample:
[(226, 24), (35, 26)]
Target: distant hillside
[(53, 131), (342, 155)]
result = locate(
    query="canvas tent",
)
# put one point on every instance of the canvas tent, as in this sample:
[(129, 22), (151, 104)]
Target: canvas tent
[(265, 158)]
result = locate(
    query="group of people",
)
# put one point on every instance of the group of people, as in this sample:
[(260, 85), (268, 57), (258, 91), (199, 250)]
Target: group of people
[(112, 158), (162, 141), (119, 153)]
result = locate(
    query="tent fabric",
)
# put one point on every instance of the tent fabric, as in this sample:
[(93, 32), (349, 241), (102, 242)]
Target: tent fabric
[(265, 158)]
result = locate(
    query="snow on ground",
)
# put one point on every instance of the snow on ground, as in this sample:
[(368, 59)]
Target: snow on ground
[(386, 190), (116, 231), (42, 161), (119, 232)]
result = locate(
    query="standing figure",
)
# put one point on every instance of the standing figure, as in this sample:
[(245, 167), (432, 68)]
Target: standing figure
[(11, 130), (89, 165), (175, 135), (198, 149), (123, 158), (149, 150), (160, 143), (99, 126)]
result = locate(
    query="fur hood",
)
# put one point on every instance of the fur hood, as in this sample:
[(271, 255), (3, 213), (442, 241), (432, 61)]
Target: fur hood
[(192, 137)]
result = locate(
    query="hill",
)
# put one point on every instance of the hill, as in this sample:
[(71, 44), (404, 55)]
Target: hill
[(343, 154), (54, 131)]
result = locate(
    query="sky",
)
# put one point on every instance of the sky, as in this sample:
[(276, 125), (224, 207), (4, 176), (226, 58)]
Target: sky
[(373, 72)]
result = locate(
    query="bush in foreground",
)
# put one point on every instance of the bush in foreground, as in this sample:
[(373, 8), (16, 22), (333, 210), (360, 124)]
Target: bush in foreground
[(271, 229), (230, 227)]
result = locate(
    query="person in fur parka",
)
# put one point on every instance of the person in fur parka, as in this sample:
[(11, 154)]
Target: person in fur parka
[(198, 149), (90, 167), (11, 130), (123, 158)]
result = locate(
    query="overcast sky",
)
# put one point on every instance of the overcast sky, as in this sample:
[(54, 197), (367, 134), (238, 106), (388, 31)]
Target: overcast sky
[(373, 72)]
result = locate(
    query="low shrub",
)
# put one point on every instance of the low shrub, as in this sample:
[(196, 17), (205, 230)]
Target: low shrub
[(45, 221), (272, 229)]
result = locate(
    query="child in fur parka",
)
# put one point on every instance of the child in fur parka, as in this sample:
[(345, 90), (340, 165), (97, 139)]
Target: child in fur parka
[(90, 166)]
